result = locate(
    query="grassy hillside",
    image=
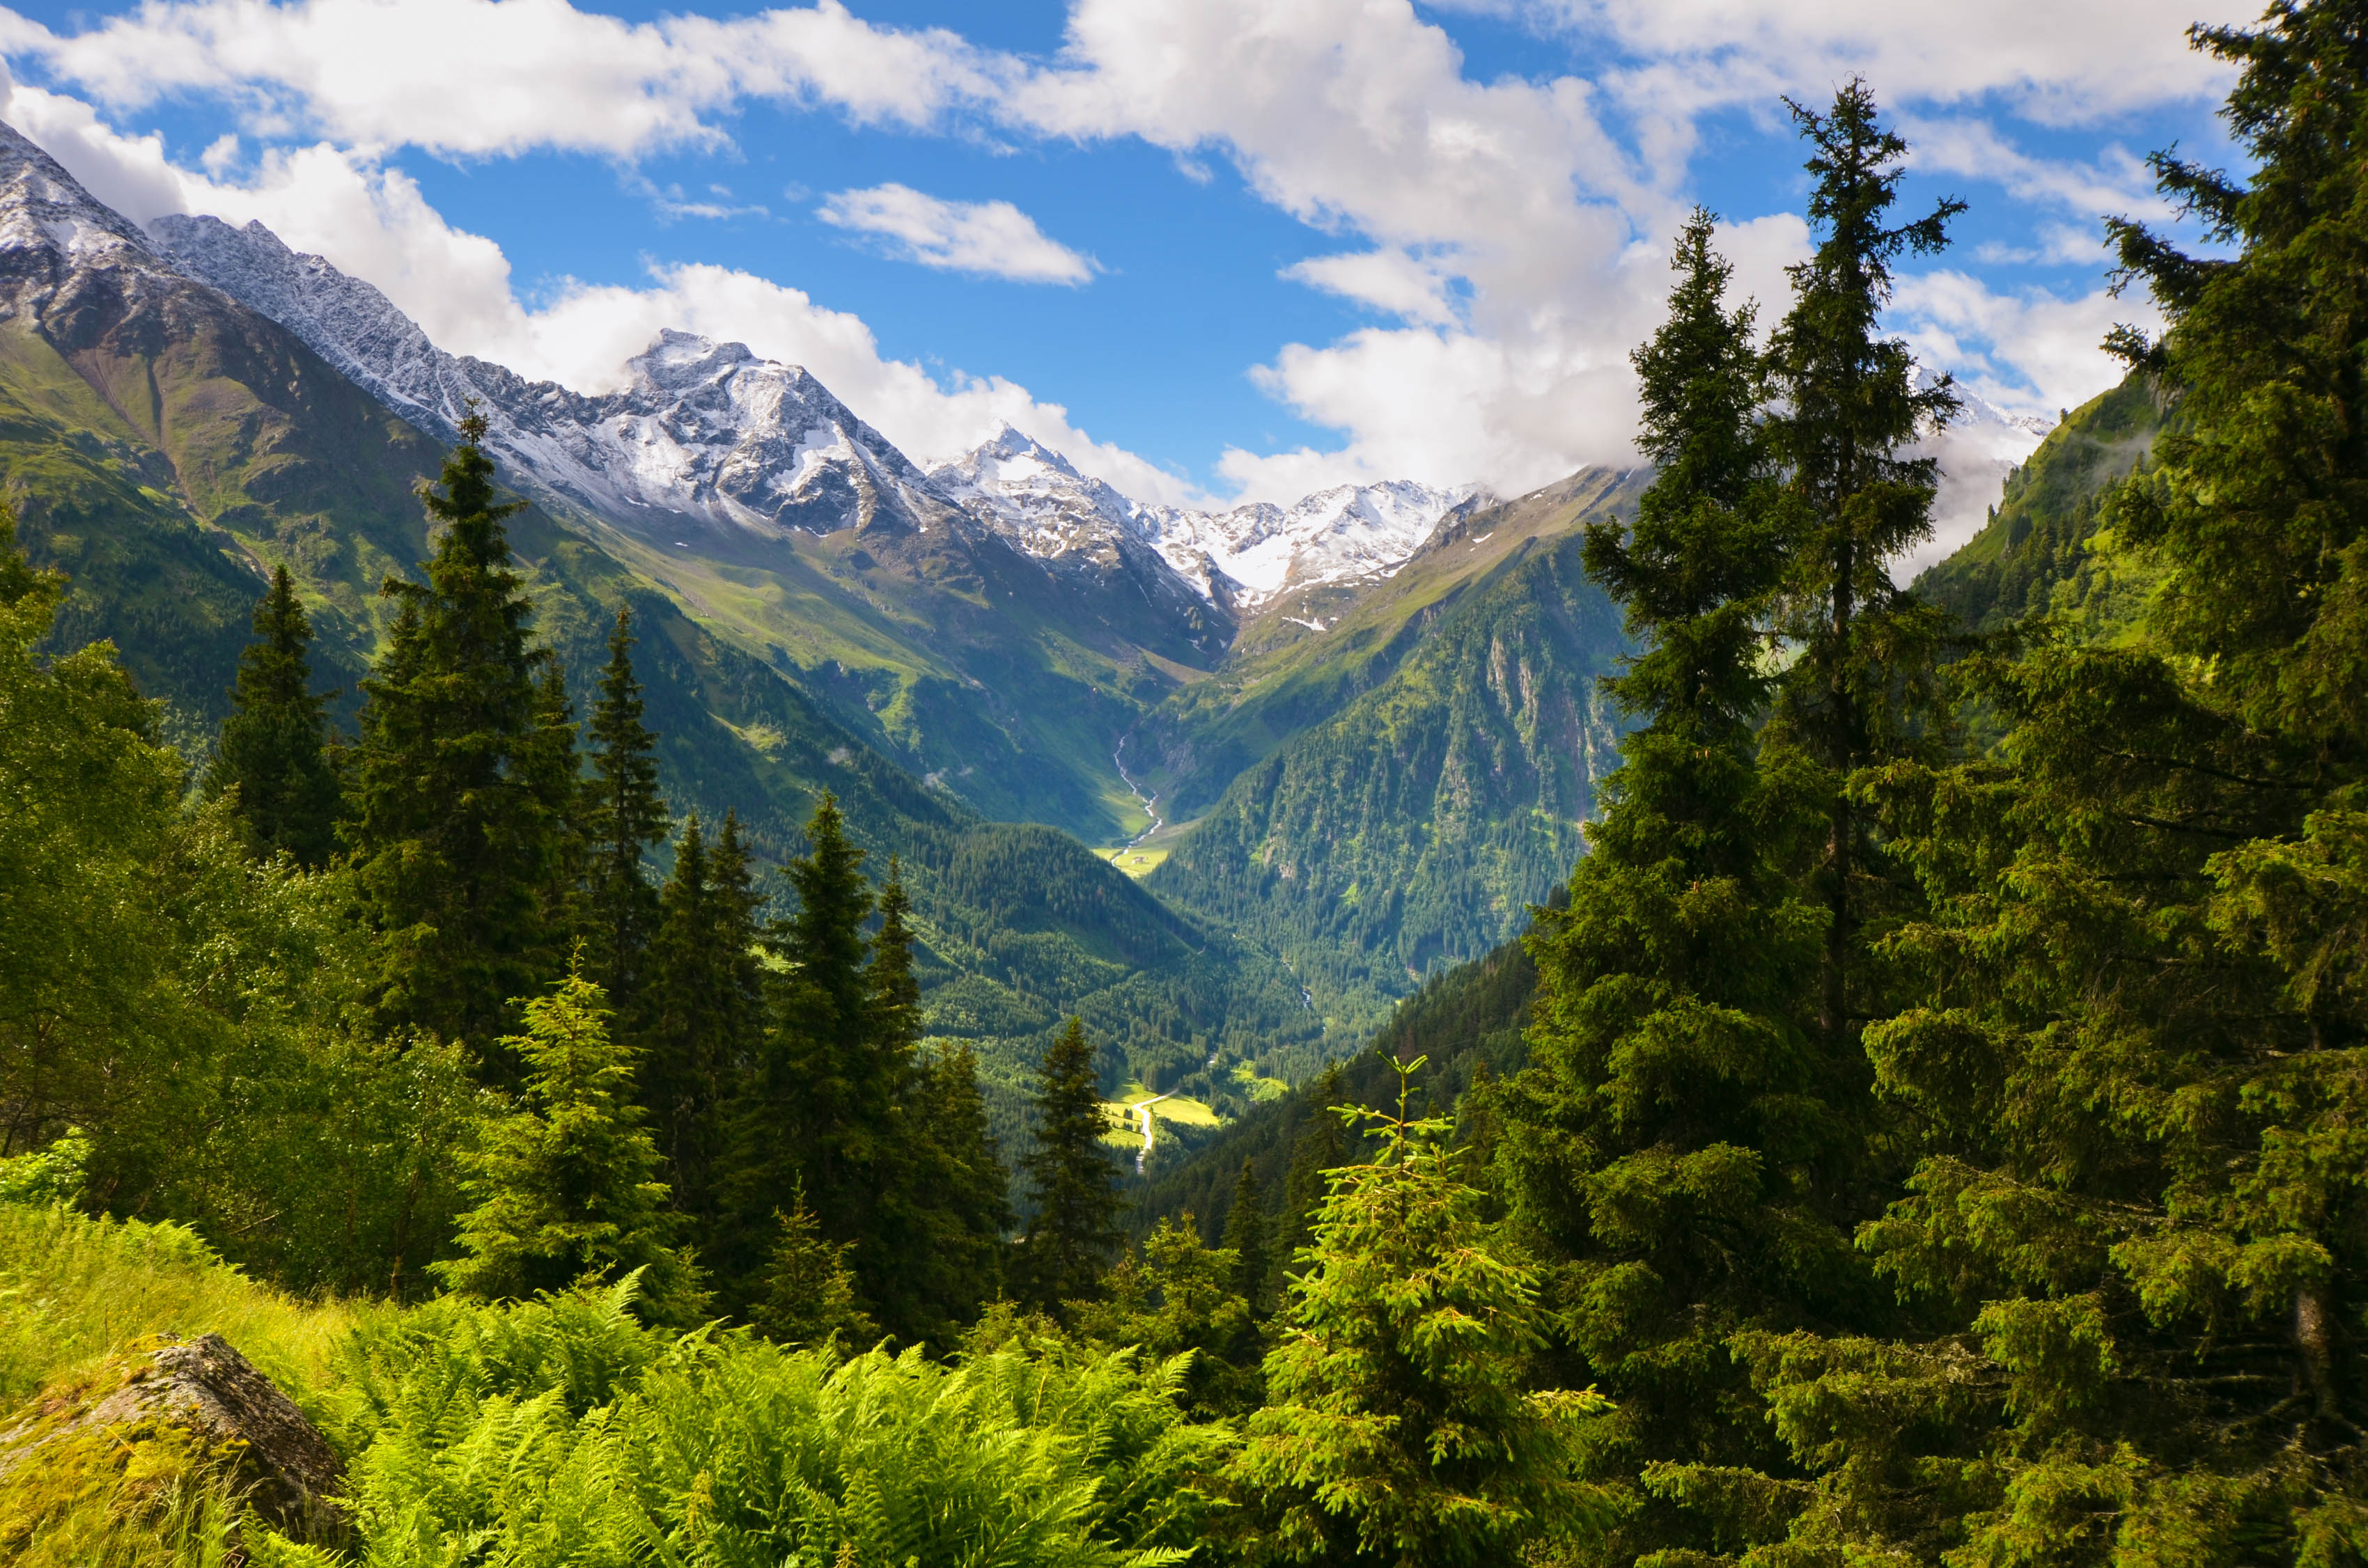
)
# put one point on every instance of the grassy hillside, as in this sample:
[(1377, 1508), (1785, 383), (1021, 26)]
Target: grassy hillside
[(2039, 536), (1412, 829), (164, 445)]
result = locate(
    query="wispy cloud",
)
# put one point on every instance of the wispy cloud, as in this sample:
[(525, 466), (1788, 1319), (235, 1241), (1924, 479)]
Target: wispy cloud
[(992, 238)]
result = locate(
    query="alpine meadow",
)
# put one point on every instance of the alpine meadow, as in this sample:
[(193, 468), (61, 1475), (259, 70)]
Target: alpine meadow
[(1654, 924)]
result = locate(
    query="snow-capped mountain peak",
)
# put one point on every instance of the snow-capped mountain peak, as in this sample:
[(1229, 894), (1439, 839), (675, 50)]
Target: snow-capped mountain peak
[(1245, 557), (712, 432), (703, 431)]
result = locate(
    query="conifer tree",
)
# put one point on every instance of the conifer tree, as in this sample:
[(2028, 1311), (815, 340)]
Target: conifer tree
[(703, 1013), (1073, 1236), (1316, 1149), (1179, 1296), (1245, 1237), (1685, 1149), (567, 1184), (844, 1092), (274, 746), (623, 815), (2134, 1243), (808, 1293), (1848, 408), (822, 1111), (1397, 1428), (973, 1190), (552, 770), (451, 829), (939, 1230)]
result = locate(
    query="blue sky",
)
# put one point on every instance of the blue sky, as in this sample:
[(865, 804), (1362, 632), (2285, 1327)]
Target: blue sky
[(1210, 247)]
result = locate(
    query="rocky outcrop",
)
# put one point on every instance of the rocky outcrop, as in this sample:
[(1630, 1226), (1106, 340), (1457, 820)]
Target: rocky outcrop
[(212, 1404)]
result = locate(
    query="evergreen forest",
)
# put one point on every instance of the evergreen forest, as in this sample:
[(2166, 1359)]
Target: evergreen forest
[(1928, 1126)]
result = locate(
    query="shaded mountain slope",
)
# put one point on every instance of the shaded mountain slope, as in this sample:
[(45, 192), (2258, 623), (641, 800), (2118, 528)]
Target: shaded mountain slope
[(2038, 537), (1414, 827), (1467, 1019), (1286, 675)]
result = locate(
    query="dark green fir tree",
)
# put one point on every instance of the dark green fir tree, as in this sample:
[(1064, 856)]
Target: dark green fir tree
[(939, 1235), (822, 1112), (1246, 1238), (453, 834), (1684, 1149), (567, 1185), (275, 745), (1073, 1236), (1848, 412), (623, 817), (702, 1012), (2136, 1072)]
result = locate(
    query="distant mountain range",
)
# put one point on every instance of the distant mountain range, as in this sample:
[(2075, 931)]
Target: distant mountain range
[(994, 624), (1349, 739)]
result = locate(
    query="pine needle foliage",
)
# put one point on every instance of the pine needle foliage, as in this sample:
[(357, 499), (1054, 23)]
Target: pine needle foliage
[(1073, 1235), (1677, 1152), (623, 816), (2133, 1243), (274, 746), (1399, 1427), (454, 821), (567, 1184), (702, 1014)]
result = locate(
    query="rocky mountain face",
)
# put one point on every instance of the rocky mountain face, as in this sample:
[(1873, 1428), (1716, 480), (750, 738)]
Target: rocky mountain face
[(705, 435), (708, 433)]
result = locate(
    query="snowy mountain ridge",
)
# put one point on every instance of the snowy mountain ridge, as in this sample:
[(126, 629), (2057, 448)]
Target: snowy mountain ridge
[(1243, 558), (703, 431), (712, 433)]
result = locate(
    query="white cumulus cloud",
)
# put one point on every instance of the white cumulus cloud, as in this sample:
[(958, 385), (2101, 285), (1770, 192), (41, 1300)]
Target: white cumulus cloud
[(993, 238), (372, 223), (1509, 232)]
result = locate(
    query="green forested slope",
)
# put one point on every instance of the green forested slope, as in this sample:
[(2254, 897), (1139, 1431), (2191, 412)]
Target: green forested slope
[(1414, 827), (947, 650), (2039, 534), (1283, 678), (164, 444), (1467, 1020)]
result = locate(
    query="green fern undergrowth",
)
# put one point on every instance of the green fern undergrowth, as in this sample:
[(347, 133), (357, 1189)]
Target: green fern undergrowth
[(563, 1430)]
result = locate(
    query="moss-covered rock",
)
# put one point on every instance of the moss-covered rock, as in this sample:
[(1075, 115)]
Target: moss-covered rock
[(168, 1441)]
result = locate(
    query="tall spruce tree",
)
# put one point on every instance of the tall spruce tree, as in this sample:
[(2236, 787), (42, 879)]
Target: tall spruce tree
[(702, 1012), (1398, 1428), (940, 1233), (1073, 1236), (1848, 410), (623, 816), (567, 1184), (1676, 1150), (2135, 1241), (825, 1109), (451, 828), (274, 749), (1245, 1237), (552, 770)]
